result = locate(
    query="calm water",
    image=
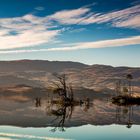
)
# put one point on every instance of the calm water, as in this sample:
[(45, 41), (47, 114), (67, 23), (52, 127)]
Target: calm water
[(86, 132), (26, 118)]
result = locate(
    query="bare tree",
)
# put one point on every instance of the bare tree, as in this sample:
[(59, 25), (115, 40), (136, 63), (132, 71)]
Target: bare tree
[(61, 85), (63, 89)]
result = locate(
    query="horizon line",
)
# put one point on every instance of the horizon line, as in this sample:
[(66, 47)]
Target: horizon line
[(100, 64)]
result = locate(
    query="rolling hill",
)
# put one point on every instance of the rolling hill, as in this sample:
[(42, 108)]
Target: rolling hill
[(39, 73)]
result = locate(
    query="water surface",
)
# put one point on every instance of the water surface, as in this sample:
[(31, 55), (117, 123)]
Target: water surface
[(35, 117)]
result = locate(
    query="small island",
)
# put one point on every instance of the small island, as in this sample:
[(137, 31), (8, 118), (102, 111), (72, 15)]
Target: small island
[(125, 92)]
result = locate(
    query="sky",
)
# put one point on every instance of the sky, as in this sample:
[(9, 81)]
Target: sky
[(86, 31)]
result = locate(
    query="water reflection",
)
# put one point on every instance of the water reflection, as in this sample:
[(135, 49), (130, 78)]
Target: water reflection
[(61, 112), (38, 102), (43, 111), (124, 114)]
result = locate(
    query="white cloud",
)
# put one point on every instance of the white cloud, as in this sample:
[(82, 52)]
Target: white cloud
[(101, 44), (11, 135), (3, 138), (85, 45), (128, 17), (72, 30), (132, 22), (27, 39), (22, 51), (30, 31), (40, 8), (69, 16)]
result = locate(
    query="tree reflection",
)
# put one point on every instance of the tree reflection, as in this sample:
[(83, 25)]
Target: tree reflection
[(124, 115), (62, 113), (38, 102)]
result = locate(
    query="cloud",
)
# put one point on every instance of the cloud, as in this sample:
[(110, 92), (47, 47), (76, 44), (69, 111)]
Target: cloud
[(12, 135), (101, 44), (128, 17), (26, 31), (69, 16), (3, 138), (84, 45), (132, 22), (22, 51), (40, 8), (72, 30), (27, 39), (30, 30)]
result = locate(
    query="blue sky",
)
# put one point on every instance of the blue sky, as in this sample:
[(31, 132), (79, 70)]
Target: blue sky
[(87, 31)]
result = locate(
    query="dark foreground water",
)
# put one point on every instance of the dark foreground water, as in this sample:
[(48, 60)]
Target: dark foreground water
[(36, 118)]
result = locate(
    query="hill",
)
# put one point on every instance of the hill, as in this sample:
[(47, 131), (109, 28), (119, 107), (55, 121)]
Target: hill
[(39, 73)]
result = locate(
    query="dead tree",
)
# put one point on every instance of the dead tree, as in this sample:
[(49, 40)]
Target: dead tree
[(63, 89), (61, 86)]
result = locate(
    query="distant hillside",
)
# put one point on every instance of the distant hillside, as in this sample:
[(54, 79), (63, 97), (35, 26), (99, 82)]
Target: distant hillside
[(38, 65), (39, 73), (101, 76)]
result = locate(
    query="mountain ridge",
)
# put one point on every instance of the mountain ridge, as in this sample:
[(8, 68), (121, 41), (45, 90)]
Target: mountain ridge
[(55, 61), (39, 73)]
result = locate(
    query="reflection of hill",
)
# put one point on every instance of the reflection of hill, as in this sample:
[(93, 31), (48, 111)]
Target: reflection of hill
[(18, 108), (22, 91), (33, 92), (14, 80), (26, 115)]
